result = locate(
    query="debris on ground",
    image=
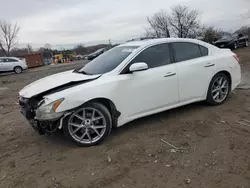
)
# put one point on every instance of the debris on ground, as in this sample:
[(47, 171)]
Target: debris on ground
[(244, 122), (109, 159), (7, 81), (173, 150), (176, 148), (188, 181)]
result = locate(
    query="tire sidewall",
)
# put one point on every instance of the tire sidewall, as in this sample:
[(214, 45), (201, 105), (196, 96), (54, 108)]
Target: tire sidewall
[(106, 115), (209, 98), (18, 67)]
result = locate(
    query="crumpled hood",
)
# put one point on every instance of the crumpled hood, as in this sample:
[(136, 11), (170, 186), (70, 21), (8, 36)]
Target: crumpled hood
[(53, 81)]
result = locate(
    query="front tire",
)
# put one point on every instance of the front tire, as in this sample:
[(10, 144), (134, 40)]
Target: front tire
[(88, 125), (218, 90), (18, 70)]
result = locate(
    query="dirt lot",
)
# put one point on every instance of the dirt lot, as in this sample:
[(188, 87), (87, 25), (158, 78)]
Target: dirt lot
[(216, 153)]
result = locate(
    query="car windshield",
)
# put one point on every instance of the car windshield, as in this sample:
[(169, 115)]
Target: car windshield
[(97, 51), (227, 37), (108, 61)]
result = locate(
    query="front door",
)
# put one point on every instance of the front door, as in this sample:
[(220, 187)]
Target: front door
[(151, 90)]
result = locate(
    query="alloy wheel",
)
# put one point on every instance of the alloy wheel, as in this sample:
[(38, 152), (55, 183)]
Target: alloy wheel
[(220, 89), (18, 70), (87, 125)]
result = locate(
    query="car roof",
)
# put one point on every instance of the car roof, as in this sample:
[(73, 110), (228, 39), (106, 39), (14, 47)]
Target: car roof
[(10, 57), (148, 42)]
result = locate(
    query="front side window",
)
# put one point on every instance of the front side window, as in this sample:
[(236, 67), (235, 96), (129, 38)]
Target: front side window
[(154, 56), (108, 61), (186, 51)]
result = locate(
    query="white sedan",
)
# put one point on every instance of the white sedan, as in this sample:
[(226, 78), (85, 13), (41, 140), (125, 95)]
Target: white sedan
[(130, 81), (12, 64)]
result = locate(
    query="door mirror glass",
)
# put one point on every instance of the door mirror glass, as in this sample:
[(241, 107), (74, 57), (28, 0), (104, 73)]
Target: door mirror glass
[(138, 67)]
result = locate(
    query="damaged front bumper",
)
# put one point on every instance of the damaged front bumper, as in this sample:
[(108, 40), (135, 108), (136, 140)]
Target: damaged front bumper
[(40, 121)]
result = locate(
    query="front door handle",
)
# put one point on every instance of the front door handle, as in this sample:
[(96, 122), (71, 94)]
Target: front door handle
[(209, 65), (170, 74)]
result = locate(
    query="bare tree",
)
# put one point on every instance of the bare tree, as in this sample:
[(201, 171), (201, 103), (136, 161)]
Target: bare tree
[(158, 25), (47, 46), (80, 49), (184, 21), (209, 34), (245, 30), (8, 36)]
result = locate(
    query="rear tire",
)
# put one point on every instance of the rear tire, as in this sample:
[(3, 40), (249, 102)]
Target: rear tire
[(18, 69), (219, 89), (88, 125)]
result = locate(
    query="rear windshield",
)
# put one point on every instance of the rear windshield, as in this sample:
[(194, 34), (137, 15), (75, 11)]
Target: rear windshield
[(227, 37)]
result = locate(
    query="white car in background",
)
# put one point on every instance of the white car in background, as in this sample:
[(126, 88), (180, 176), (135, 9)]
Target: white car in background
[(12, 64), (130, 81)]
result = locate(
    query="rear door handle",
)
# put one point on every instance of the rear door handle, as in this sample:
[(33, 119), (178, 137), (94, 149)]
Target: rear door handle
[(209, 65), (170, 74)]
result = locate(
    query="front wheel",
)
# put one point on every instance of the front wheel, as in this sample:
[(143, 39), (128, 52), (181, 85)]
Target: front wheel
[(88, 125), (218, 90)]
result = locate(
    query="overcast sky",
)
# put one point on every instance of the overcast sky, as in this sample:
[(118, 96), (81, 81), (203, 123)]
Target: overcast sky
[(62, 22)]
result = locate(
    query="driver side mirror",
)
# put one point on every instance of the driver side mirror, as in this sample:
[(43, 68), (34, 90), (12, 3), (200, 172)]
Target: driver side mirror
[(138, 67)]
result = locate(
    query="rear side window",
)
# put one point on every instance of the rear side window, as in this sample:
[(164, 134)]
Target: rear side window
[(11, 60), (4, 60), (186, 51), (154, 56), (204, 51)]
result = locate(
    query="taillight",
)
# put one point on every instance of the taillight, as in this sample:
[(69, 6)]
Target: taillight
[(236, 57)]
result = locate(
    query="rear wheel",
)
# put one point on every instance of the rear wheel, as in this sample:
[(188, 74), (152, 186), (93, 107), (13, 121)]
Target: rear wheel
[(88, 125), (18, 70), (218, 90)]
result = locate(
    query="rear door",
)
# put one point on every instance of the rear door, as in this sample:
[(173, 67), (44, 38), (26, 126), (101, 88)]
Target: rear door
[(9, 64), (195, 70)]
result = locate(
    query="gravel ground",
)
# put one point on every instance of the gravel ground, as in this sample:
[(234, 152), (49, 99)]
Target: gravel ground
[(216, 147)]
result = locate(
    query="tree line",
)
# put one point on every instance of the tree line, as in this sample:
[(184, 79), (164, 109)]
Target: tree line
[(184, 22), (181, 21)]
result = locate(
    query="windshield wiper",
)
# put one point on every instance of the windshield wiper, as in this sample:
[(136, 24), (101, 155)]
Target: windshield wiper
[(81, 72)]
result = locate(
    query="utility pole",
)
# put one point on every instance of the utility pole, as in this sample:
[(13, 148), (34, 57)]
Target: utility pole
[(109, 42)]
